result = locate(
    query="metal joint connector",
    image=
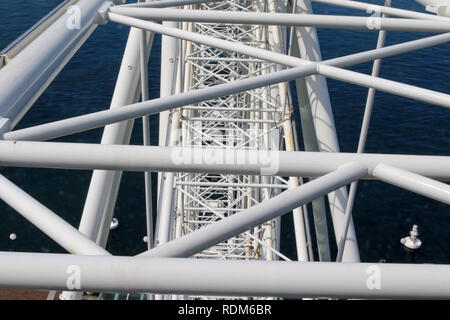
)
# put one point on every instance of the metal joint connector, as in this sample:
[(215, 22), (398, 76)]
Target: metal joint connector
[(102, 16), (438, 7)]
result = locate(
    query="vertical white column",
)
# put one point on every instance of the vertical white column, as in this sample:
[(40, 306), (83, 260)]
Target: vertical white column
[(167, 86), (169, 57), (100, 198), (169, 47), (277, 44), (325, 129), (298, 214), (146, 137), (362, 139), (169, 60), (103, 189)]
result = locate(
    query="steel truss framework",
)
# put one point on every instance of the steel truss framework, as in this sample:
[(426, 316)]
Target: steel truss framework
[(228, 154), (209, 127)]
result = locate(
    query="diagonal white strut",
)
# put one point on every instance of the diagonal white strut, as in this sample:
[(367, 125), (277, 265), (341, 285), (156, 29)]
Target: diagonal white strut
[(98, 119), (233, 225), (413, 182), (381, 84), (47, 221), (369, 7)]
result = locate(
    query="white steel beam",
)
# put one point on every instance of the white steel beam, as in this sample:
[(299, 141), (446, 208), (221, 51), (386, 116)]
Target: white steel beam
[(381, 84), (227, 277), (413, 182), (218, 160), (169, 60), (338, 200), (285, 19), (392, 50), (392, 87), (29, 72), (101, 118), (143, 54), (361, 142), (165, 213), (236, 185), (47, 221), (101, 192), (104, 186), (166, 3), (94, 120), (310, 144)]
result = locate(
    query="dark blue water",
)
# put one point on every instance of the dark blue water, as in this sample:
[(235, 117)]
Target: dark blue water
[(382, 213)]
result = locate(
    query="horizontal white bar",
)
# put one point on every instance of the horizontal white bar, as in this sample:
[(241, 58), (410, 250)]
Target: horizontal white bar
[(207, 160), (413, 182), (286, 19), (166, 3), (238, 185), (388, 51), (393, 87), (231, 109), (224, 277), (223, 119)]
